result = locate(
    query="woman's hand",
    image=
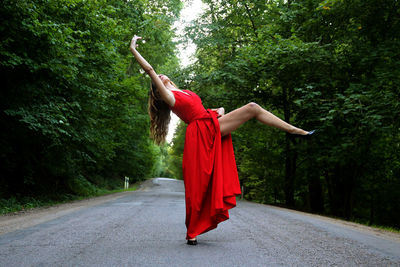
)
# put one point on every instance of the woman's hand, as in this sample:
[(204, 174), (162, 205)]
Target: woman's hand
[(221, 112), (133, 43)]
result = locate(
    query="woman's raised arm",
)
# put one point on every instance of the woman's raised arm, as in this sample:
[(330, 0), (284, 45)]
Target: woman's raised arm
[(165, 94)]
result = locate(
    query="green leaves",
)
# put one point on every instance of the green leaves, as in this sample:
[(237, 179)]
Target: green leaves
[(74, 117)]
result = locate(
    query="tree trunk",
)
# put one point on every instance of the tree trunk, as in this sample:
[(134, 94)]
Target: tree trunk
[(314, 185), (315, 194), (290, 158)]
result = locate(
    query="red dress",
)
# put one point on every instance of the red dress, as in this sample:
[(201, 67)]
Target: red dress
[(209, 168)]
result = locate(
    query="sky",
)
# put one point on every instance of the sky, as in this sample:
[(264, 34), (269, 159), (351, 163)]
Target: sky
[(191, 10)]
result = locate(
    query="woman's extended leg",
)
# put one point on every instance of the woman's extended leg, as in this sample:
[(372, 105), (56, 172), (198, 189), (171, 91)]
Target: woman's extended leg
[(231, 121)]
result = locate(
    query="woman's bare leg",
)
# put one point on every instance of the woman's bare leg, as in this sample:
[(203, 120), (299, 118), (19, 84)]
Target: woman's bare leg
[(231, 121)]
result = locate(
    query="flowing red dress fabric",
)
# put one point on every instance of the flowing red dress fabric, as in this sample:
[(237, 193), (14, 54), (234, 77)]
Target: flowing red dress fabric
[(209, 167)]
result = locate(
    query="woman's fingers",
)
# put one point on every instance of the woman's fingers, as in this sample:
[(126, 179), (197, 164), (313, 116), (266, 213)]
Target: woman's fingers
[(134, 40)]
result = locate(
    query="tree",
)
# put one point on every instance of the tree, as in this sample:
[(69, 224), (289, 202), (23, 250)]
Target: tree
[(75, 114)]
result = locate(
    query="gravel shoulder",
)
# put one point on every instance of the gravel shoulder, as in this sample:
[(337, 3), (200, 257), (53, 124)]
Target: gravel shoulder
[(385, 234), (23, 219)]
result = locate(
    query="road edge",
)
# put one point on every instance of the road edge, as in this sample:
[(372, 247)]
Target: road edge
[(21, 220), (382, 233)]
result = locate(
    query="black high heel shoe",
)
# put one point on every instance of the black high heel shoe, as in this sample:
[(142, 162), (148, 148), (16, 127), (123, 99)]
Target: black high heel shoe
[(304, 135), (192, 242)]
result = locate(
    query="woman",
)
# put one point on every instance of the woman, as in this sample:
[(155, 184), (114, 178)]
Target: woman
[(209, 167)]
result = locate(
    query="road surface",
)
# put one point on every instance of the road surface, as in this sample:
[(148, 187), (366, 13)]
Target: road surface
[(146, 228)]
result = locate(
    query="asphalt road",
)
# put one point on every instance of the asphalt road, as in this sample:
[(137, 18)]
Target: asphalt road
[(146, 228)]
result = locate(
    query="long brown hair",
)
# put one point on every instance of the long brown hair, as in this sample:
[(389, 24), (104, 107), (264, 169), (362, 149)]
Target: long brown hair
[(160, 116)]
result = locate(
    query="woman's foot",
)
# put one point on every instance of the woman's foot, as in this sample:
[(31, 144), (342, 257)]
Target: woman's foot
[(311, 132), (303, 134), (192, 242)]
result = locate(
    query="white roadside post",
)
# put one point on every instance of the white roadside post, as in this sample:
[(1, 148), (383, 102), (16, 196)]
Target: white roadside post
[(126, 182)]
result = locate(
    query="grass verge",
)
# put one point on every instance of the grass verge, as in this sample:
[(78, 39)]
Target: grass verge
[(14, 204)]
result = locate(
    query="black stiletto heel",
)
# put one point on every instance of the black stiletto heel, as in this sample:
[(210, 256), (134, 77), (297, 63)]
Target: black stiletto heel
[(192, 242)]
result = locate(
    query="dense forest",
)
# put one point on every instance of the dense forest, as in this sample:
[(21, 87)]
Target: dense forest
[(330, 65), (73, 102)]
